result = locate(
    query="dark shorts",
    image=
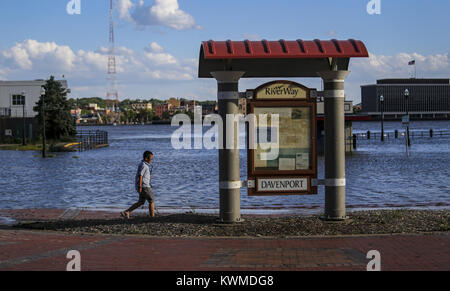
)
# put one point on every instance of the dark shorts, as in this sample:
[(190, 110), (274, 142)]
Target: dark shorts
[(146, 194)]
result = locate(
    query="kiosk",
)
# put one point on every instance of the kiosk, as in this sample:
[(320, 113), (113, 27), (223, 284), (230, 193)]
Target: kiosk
[(228, 61)]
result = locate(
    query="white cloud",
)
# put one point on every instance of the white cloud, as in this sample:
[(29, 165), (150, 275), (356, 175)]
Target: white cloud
[(31, 59), (123, 7), (162, 12), (154, 72), (381, 66), (30, 53), (155, 48), (367, 70), (118, 51)]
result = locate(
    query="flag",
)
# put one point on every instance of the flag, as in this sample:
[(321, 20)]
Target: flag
[(411, 63)]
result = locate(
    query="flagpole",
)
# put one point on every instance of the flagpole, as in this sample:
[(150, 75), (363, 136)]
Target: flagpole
[(413, 63)]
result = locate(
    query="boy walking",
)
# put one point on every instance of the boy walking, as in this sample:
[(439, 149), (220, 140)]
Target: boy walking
[(143, 187)]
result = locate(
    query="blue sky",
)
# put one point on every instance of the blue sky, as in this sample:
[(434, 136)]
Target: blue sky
[(39, 38)]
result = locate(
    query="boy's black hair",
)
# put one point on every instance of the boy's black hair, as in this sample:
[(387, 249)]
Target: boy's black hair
[(147, 154)]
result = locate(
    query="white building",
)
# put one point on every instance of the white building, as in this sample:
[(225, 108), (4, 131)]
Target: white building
[(13, 94), (139, 106)]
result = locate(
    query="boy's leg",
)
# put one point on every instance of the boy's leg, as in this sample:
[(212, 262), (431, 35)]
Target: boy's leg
[(135, 206), (151, 209)]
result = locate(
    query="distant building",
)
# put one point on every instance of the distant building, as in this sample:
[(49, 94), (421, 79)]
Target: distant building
[(93, 106), (76, 114), (348, 106), (142, 106), (17, 99), (209, 109), (188, 105), (12, 100), (161, 108), (428, 98)]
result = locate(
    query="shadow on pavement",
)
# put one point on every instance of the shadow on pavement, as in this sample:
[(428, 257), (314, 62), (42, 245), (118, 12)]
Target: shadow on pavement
[(199, 219)]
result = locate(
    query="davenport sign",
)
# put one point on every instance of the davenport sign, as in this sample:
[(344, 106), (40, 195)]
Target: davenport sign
[(282, 185)]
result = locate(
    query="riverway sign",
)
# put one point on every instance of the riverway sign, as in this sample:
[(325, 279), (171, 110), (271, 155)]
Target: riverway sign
[(283, 161)]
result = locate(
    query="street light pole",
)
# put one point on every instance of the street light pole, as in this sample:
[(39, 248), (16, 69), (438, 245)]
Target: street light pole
[(44, 155), (24, 141), (407, 114), (406, 94), (382, 117)]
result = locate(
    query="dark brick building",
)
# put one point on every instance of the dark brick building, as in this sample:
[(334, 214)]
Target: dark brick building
[(428, 99)]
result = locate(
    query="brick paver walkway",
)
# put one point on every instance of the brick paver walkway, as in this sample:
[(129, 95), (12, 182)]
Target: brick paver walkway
[(39, 250)]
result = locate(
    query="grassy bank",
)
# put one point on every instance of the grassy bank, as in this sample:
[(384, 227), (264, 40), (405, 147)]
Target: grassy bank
[(35, 145), (196, 225), (20, 147)]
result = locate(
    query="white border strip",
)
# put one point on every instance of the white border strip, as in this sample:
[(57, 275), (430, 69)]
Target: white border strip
[(329, 182), (334, 94), (230, 185), (335, 182)]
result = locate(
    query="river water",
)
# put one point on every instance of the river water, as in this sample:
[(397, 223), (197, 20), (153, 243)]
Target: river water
[(379, 175)]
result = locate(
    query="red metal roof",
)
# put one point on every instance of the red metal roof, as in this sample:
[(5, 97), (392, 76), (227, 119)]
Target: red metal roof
[(283, 49)]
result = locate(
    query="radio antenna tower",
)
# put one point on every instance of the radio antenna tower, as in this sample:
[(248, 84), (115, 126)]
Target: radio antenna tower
[(112, 93)]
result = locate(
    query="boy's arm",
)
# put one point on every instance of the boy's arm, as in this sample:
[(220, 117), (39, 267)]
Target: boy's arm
[(141, 171)]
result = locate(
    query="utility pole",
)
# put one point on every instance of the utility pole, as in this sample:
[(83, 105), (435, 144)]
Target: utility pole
[(112, 93), (44, 155), (24, 139)]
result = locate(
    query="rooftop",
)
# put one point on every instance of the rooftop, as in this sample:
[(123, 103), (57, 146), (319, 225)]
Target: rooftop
[(413, 81), (295, 58)]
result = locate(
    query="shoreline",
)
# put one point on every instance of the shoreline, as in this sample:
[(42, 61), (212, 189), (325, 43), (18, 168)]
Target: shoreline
[(247, 210), (373, 222)]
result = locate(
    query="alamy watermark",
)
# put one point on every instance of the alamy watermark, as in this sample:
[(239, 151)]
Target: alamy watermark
[(263, 134), (75, 261), (375, 260), (374, 7), (73, 7)]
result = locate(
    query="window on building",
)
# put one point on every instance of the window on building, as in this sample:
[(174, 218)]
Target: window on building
[(18, 100)]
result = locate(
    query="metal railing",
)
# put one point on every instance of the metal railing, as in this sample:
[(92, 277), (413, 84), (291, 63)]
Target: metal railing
[(89, 140), (376, 135), (395, 135), (5, 112)]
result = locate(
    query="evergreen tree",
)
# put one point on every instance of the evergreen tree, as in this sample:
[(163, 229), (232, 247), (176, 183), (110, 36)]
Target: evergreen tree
[(59, 122)]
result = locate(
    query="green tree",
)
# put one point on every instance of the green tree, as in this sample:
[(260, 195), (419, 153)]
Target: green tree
[(166, 115), (145, 115), (59, 122), (190, 114)]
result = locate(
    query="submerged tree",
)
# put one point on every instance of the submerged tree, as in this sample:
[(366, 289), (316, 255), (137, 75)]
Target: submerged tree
[(59, 123)]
